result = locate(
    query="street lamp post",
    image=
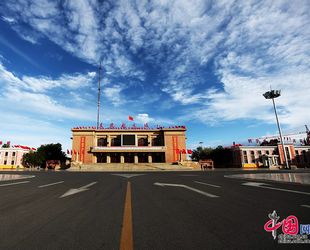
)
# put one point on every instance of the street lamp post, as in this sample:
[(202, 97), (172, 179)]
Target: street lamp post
[(272, 94)]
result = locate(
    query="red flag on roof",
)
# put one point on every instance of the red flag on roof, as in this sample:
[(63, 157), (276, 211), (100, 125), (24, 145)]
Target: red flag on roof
[(189, 151), (183, 151), (0, 142), (74, 152), (177, 151), (130, 118)]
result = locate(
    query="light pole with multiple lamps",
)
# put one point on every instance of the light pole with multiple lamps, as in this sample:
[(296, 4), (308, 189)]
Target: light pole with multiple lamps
[(272, 94)]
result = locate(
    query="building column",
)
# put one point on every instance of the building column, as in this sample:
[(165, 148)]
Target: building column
[(94, 158), (136, 159), (149, 140), (109, 140), (150, 159), (122, 158), (108, 158)]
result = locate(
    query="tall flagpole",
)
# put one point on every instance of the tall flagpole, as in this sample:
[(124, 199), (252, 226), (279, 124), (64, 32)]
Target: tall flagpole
[(99, 82)]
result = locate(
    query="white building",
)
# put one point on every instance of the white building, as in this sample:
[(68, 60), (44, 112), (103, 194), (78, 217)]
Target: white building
[(12, 157)]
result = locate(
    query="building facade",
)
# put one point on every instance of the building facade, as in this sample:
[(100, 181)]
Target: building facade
[(268, 156), (128, 145), (12, 157)]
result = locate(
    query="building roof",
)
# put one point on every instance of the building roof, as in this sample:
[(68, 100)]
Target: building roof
[(128, 129)]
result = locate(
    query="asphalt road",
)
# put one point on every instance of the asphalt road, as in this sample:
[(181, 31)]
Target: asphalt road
[(171, 210)]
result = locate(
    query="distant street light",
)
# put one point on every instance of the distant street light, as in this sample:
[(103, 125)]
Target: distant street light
[(272, 94)]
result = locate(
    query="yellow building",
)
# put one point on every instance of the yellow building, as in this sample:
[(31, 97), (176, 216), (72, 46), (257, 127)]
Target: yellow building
[(128, 145)]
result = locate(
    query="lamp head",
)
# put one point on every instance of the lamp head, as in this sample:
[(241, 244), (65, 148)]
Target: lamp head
[(272, 94)]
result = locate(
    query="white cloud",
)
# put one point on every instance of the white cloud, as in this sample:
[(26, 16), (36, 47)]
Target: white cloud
[(248, 46), (8, 19), (27, 94), (114, 94), (144, 118), (43, 84)]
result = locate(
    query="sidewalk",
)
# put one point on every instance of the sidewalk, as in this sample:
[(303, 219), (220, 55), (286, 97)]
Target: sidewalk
[(302, 178), (118, 167)]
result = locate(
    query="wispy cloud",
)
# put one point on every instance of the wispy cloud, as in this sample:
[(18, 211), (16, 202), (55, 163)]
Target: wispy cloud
[(172, 45)]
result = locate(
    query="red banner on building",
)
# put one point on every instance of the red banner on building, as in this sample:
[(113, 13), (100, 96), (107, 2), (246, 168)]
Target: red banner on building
[(82, 148)]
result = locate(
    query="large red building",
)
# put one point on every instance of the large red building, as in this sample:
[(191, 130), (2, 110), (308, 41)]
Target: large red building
[(128, 145)]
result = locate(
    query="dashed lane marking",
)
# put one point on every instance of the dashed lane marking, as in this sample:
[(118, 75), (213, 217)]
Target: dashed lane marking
[(51, 184), (14, 183), (307, 206), (207, 184)]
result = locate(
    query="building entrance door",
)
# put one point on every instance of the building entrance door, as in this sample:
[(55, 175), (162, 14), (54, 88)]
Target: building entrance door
[(129, 157), (115, 158), (101, 158)]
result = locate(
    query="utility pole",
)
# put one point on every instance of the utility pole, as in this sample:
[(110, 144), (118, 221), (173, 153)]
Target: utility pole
[(99, 89), (272, 94)]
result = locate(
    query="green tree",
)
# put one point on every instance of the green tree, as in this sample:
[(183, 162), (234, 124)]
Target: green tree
[(44, 153), (32, 159), (222, 157), (51, 152), (201, 153)]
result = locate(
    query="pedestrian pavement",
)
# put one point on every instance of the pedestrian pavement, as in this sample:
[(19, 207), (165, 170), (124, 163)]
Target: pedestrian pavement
[(293, 178), (125, 167)]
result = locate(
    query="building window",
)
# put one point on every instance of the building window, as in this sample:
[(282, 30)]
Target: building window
[(288, 153), (142, 142), (116, 141), (252, 152), (252, 158), (245, 159), (244, 152), (12, 162), (157, 141), (13, 154), (129, 140), (267, 152), (102, 142), (4, 162), (259, 152), (296, 152), (6, 153)]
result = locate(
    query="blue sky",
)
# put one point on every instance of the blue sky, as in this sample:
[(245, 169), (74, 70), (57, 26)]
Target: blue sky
[(203, 64)]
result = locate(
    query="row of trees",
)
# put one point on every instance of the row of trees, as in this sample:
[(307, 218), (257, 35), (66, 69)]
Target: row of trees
[(222, 157), (44, 153)]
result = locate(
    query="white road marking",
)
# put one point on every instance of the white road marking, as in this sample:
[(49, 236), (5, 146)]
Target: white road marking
[(187, 187), (14, 183), (207, 184), (77, 190), (12, 177), (262, 185), (127, 175), (51, 184), (307, 206)]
